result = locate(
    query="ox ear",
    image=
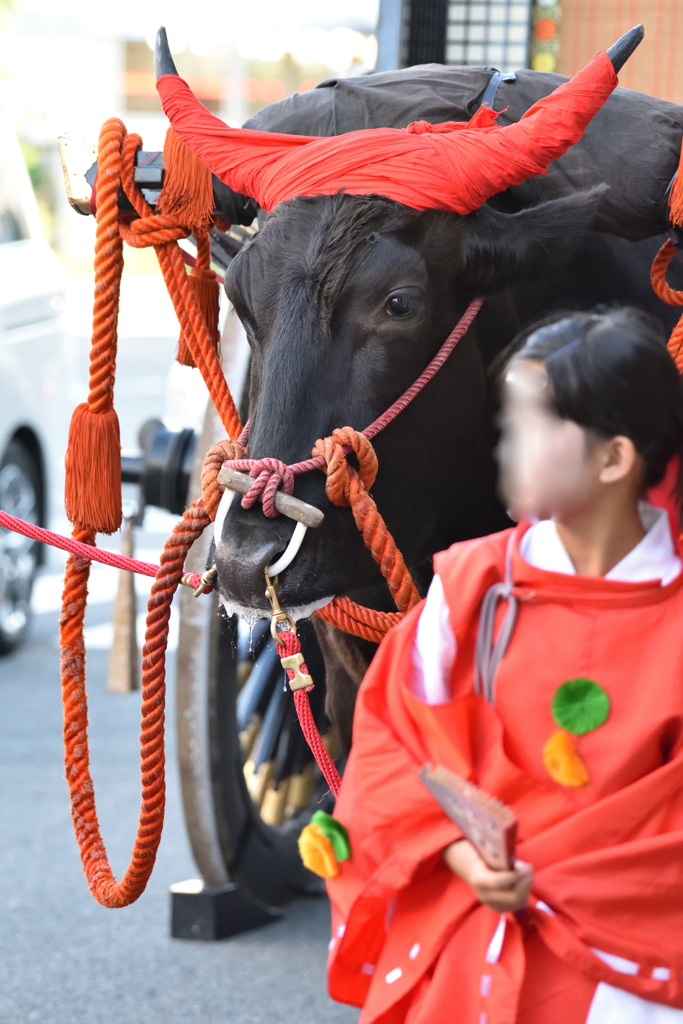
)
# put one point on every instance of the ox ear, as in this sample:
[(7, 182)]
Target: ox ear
[(497, 250)]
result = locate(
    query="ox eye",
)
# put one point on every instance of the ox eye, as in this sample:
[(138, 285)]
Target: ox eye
[(400, 305)]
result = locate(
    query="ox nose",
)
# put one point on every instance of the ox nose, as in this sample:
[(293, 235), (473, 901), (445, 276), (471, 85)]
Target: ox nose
[(246, 546)]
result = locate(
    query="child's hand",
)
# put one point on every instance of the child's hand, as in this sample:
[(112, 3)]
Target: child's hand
[(502, 891)]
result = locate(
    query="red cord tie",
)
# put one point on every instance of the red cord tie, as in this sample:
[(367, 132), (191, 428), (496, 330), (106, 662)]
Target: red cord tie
[(268, 474), (302, 684), (90, 553)]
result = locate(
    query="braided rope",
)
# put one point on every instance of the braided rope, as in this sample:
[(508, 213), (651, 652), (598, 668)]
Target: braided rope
[(116, 166), (162, 232), (212, 491), (108, 267), (268, 474), (292, 645), (348, 486), (458, 332), (358, 620), (670, 295), (101, 881), (87, 551)]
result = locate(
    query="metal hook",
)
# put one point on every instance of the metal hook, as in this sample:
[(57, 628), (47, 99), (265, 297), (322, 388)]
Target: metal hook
[(278, 616)]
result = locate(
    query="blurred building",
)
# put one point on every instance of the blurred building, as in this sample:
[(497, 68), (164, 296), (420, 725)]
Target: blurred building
[(546, 35), (65, 67), (585, 26)]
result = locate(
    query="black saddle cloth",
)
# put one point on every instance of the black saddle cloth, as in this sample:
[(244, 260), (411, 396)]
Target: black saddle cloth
[(633, 144)]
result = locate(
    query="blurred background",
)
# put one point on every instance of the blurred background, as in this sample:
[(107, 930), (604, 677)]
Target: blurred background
[(65, 66)]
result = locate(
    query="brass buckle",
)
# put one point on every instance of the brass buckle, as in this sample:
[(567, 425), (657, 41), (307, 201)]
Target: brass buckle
[(278, 616), (301, 680)]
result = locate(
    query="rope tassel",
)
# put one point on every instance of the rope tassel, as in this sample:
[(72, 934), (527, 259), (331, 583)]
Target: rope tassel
[(93, 458), (204, 285), (188, 189), (92, 491)]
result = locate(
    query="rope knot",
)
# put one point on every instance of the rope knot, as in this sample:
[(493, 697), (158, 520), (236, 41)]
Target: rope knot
[(212, 492), (340, 474), (151, 230), (268, 475)]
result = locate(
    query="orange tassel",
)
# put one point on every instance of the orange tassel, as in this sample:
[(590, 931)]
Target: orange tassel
[(188, 190), (205, 288), (562, 762), (183, 355), (92, 494), (676, 196)]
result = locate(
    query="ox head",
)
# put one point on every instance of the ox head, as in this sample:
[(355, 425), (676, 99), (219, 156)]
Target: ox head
[(345, 300)]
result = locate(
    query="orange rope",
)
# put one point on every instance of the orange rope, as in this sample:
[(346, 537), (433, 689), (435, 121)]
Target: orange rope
[(669, 295), (356, 619), (345, 486), (108, 267), (212, 492), (91, 449), (93, 444), (101, 881), (162, 231)]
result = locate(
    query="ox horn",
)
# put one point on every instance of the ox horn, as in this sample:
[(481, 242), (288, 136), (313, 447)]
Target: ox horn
[(475, 166), (163, 61), (620, 51)]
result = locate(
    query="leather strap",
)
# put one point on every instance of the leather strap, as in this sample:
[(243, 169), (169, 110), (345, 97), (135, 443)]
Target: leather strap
[(492, 88)]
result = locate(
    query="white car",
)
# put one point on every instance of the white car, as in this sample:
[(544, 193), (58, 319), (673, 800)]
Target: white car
[(36, 375)]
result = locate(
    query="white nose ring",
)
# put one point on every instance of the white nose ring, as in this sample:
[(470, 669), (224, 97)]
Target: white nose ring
[(221, 513), (290, 552)]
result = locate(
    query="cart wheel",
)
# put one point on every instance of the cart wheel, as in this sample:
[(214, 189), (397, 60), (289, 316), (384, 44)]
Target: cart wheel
[(249, 782)]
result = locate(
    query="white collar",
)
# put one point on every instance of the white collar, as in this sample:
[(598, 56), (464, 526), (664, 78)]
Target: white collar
[(654, 558)]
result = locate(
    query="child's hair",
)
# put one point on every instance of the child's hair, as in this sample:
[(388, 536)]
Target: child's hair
[(610, 372)]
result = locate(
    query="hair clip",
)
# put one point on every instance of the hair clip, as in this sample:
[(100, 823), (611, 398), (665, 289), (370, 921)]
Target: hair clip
[(565, 348)]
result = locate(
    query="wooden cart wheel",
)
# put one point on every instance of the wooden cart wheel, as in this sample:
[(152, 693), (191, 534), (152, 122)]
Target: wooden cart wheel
[(249, 783)]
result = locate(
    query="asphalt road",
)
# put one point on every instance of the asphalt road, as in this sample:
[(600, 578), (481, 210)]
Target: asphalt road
[(63, 958), (66, 960)]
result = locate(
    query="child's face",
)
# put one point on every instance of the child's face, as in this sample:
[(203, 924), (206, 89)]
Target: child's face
[(546, 468)]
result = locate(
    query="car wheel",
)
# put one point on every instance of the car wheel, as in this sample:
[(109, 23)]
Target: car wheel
[(19, 496)]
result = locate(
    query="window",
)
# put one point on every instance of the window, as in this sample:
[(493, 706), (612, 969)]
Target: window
[(492, 32)]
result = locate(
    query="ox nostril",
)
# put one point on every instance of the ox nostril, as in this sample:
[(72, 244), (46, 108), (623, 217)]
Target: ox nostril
[(290, 551)]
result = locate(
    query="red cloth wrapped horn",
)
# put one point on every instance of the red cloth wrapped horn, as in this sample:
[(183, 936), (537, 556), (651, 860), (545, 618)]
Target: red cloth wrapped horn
[(452, 166)]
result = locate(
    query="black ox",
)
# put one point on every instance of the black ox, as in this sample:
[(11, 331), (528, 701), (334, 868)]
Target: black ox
[(345, 300)]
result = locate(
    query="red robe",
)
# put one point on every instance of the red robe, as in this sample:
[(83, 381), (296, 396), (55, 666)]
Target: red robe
[(410, 939)]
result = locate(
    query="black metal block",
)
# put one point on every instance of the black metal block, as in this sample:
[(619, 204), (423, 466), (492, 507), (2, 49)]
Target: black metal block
[(200, 912)]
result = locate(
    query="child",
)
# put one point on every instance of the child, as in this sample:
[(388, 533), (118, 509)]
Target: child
[(546, 665)]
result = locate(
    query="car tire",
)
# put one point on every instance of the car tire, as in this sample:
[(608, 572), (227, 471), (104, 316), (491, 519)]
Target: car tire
[(20, 495)]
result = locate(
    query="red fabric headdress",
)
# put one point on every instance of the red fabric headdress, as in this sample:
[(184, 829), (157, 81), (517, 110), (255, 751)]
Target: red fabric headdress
[(452, 166)]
